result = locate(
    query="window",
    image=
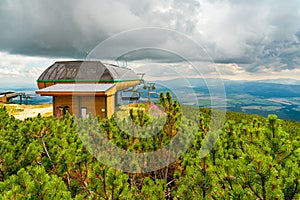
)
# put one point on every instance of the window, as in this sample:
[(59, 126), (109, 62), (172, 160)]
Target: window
[(66, 109)]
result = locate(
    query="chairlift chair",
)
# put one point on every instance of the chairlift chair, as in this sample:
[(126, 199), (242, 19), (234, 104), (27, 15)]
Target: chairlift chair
[(131, 95)]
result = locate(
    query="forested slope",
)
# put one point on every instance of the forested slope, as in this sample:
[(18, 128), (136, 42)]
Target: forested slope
[(254, 158)]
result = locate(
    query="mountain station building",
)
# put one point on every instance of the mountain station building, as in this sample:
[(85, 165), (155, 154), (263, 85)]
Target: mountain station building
[(85, 87)]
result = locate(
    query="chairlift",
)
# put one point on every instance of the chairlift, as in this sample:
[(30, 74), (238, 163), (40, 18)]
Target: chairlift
[(27, 97), (151, 89), (142, 81), (131, 94), (23, 95)]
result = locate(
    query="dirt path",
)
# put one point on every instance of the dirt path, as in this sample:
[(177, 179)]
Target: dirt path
[(33, 112), (25, 111)]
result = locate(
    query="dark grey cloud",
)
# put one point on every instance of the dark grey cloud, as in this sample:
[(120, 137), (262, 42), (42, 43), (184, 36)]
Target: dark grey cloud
[(241, 30), (158, 44), (261, 34), (278, 56), (70, 28), (58, 28)]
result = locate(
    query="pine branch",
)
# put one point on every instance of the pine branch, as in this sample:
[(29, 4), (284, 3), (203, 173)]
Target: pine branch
[(263, 184), (104, 184), (250, 186), (113, 185), (44, 147), (285, 157), (2, 175), (295, 190)]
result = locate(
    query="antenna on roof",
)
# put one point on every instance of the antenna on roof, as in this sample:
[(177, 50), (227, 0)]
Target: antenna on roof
[(125, 63)]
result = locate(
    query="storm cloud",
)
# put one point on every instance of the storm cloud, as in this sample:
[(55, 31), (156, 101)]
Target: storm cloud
[(261, 35)]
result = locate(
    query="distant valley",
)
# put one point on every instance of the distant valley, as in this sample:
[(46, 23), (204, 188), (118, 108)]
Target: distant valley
[(254, 97), (277, 96)]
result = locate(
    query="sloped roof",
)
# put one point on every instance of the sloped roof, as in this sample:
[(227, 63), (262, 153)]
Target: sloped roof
[(72, 71)]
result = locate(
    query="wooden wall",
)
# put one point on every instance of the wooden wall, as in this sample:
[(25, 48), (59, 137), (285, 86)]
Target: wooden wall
[(3, 99), (95, 106), (61, 102), (110, 105), (126, 84)]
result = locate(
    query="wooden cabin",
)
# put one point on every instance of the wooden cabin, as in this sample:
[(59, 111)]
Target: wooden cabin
[(6, 96), (85, 88)]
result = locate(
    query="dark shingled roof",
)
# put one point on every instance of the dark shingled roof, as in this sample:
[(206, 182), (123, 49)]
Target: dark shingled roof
[(72, 71)]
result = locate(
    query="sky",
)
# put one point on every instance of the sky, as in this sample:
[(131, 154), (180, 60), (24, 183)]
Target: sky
[(232, 39)]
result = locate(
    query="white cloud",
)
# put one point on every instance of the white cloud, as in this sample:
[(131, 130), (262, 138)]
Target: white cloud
[(236, 28), (232, 31), (8, 72), (22, 69)]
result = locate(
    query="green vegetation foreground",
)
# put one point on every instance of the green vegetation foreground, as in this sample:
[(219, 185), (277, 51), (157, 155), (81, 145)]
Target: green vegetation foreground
[(254, 158)]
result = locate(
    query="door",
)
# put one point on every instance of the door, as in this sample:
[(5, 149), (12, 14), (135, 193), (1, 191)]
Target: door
[(84, 112)]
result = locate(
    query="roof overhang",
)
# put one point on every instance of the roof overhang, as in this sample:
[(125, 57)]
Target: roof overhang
[(87, 81), (78, 90)]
